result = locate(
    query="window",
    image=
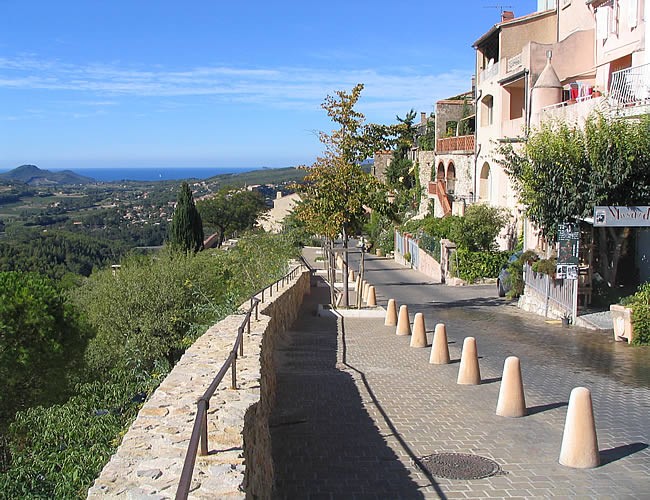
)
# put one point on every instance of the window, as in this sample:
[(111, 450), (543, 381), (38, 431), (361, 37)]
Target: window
[(487, 110), (484, 183)]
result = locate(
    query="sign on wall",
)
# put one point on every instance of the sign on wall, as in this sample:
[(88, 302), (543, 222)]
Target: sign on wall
[(568, 239), (622, 216)]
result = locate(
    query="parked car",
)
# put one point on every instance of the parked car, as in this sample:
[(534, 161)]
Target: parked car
[(503, 280)]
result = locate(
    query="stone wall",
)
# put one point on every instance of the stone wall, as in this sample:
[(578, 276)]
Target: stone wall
[(149, 461)]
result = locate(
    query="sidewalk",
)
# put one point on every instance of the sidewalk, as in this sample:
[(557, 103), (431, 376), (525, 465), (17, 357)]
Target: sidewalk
[(357, 408)]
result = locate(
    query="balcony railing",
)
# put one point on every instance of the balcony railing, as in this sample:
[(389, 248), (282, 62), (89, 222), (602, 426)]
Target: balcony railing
[(630, 86), (489, 73), (459, 143)]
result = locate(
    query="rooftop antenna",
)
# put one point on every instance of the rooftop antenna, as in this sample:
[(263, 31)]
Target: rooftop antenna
[(501, 8)]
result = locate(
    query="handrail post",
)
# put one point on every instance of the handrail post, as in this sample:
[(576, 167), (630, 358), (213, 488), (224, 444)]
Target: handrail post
[(234, 372), (249, 322), (204, 428), (262, 297), (257, 308), (240, 334)]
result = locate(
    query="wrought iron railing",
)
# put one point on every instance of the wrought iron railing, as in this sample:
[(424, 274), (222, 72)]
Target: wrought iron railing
[(630, 86), (199, 438), (558, 293)]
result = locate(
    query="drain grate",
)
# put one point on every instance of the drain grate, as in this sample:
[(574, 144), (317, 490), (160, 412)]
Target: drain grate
[(459, 466)]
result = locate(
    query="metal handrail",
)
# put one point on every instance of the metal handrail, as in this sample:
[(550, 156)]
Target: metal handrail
[(199, 435)]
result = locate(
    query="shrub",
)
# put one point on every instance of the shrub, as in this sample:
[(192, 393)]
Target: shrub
[(516, 273), (639, 302), (545, 266), (473, 266), (58, 451)]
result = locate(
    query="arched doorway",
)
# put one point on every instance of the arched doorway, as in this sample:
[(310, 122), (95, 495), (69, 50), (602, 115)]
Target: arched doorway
[(484, 183), (451, 178), (440, 173)]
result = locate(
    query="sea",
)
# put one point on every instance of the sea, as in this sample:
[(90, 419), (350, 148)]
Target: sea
[(149, 173)]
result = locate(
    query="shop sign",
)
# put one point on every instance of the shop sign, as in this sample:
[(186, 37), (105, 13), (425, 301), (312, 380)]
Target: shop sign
[(622, 216)]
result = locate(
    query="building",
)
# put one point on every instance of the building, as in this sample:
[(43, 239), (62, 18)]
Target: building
[(272, 220)]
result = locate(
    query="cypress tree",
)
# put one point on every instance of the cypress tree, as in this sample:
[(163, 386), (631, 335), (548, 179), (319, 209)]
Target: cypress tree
[(186, 231)]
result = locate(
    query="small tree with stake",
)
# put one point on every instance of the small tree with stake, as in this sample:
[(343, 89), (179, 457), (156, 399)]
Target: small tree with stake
[(186, 231), (337, 190)]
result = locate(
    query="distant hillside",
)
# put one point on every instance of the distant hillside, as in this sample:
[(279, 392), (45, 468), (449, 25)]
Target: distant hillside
[(34, 176), (263, 176)]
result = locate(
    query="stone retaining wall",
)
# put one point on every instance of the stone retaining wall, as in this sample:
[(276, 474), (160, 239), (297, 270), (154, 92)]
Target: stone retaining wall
[(149, 461)]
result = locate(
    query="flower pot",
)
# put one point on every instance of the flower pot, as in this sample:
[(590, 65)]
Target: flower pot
[(565, 322), (622, 319)]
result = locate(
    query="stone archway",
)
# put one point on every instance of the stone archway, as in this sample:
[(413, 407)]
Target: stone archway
[(440, 172), (451, 178)]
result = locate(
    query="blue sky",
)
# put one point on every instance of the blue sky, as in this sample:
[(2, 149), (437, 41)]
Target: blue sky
[(218, 83)]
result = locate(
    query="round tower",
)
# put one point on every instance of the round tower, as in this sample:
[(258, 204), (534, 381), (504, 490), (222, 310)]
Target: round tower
[(546, 91)]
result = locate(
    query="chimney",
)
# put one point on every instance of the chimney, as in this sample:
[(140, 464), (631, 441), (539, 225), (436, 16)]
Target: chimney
[(423, 117), (507, 15)]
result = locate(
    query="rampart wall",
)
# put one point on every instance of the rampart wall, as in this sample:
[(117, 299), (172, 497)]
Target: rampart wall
[(149, 460)]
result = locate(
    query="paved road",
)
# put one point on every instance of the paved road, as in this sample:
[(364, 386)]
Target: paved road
[(358, 408)]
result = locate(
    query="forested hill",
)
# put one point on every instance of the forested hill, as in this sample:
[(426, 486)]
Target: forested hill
[(34, 176), (262, 176)]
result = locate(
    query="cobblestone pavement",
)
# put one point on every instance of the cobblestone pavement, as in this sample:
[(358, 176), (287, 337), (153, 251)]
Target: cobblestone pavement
[(357, 407)]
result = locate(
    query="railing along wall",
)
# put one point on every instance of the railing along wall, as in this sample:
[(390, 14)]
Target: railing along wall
[(199, 438), (630, 86), (557, 293)]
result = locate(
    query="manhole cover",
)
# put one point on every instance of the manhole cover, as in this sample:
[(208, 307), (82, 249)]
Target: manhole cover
[(459, 466)]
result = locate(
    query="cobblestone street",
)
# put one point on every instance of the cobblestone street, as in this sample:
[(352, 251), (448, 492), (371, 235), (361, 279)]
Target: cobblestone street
[(357, 407)]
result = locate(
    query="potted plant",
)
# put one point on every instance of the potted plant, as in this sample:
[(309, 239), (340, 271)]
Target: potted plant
[(631, 317)]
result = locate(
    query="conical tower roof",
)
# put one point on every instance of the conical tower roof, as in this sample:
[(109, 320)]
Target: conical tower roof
[(548, 78)]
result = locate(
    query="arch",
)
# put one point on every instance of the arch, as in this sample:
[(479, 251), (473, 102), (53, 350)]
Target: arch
[(484, 183), (451, 178), (487, 110), (440, 172)]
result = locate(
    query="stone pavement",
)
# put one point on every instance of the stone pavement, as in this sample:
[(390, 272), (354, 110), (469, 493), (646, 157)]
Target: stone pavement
[(357, 407)]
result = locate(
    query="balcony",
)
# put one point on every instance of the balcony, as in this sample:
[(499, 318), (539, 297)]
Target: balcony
[(459, 143), (630, 87), (489, 73)]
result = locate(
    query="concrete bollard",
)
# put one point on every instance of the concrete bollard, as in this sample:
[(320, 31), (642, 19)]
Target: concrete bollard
[(403, 325), (391, 313), (579, 441), (419, 338), (339, 262), (351, 275), (440, 347), (372, 297), (511, 402), (469, 372), (364, 290)]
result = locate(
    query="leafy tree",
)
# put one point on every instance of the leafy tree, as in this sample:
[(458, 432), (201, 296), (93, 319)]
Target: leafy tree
[(186, 231), (231, 210), (563, 171), (477, 230), (337, 190), (41, 345), (57, 252)]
